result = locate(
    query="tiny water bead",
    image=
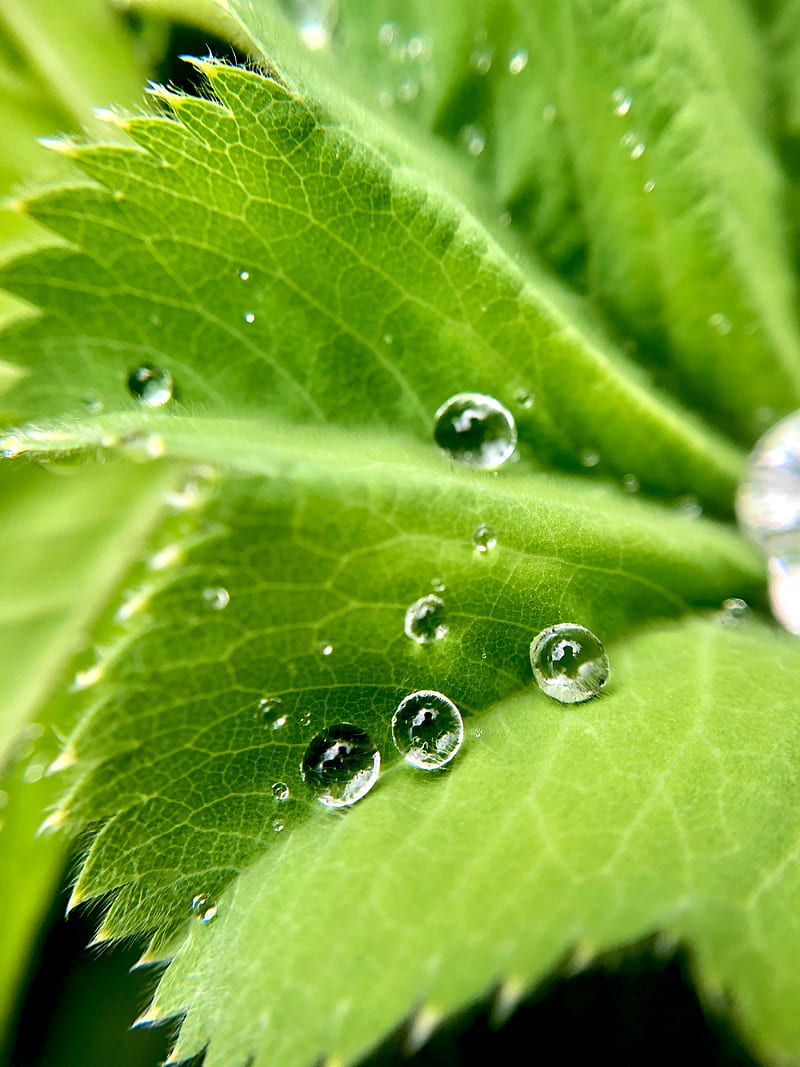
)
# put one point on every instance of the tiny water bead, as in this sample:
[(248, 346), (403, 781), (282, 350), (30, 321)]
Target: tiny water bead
[(589, 458), (733, 612), (244, 275), (280, 790), (484, 538), (689, 506), (569, 663), (721, 323), (630, 483), (341, 765), (325, 648), (427, 729), (621, 102), (524, 399), (518, 61), (277, 825), (204, 909), (473, 139), (216, 597), (426, 620), (151, 386), (249, 317), (476, 429), (271, 713)]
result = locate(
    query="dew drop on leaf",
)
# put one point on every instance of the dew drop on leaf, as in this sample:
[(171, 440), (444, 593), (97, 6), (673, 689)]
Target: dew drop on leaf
[(484, 538), (783, 574), (151, 386), (733, 612), (768, 501), (427, 729), (249, 317), (621, 102), (721, 323), (204, 909), (689, 506), (280, 790), (569, 663), (630, 483), (524, 399), (216, 597), (426, 620), (518, 61), (589, 458), (244, 275), (271, 713), (277, 825), (341, 765), (325, 648), (476, 429)]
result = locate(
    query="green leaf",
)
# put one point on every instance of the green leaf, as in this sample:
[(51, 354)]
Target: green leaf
[(669, 804)]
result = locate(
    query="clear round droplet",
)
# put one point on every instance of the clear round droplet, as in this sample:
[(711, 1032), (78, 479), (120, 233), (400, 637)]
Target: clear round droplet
[(569, 663), (768, 500), (427, 729), (93, 403), (341, 765), (249, 317), (325, 648), (524, 399), (204, 909), (689, 506), (518, 61), (733, 612), (478, 734), (484, 538), (277, 825), (439, 585), (649, 186), (476, 429), (621, 101), (280, 790), (630, 483), (272, 713), (589, 458), (151, 386), (549, 113), (473, 139), (783, 574), (244, 275), (216, 597), (426, 620)]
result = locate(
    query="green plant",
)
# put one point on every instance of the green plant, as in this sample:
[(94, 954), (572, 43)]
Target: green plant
[(577, 208)]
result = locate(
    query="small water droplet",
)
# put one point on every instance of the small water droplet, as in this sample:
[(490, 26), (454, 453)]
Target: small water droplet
[(621, 101), (93, 403), (478, 734), (426, 620), (721, 323), (85, 679), (473, 139), (271, 713), (305, 718), (484, 538), (630, 483), (649, 186), (504, 221), (407, 90), (438, 585), (589, 458), (481, 59), (204, 909), (325, 648), (417, 48), (244, 275), (524, 399), (151, 386), (216, 597), (249, 317), (764, 415), (341, 765), (277, 825), (518, 61), (280, 790), (689, 506), (569, 663), (315, 20), (549, 113), (427, 729), (733, 612), (475, 429)]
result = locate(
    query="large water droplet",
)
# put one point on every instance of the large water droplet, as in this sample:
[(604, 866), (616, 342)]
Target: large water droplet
[(204, 909), (484, 538), (426, 620), (341, 765), (476, 429), (569, 663), (768, 501), (315, 20), (784, 589), (272, 713), (151, 386), (427, 729)]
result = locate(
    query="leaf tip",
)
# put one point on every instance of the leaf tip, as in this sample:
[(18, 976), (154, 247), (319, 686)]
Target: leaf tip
[(62, 145), (109, 115), (507, 997), (151, 1016), (422, 1026), (54, 821), (67, 758)]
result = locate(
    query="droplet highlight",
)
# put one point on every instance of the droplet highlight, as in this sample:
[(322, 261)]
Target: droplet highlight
[(476, 429), (151, 386), (426, 620), (341, 765), (569, 663), (427, 729)]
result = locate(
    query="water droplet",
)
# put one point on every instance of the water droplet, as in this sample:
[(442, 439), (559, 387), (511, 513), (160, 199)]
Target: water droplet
[(481, 59), (438, 585), (721, 323), (280, 790), (475, 429), (504, 220), (569, 663), (341, 765), (689, 506), (549, 113), (407, 90), (484, 538), (305, 718), (277, 825), (427, 729), (426, 620), (417, 48), (621, 102), (325, 648), (783, 573), (204, 909), (518, 61), (271, 713), (649, 186), (631, 141), (93, 403), (768, 501), (85, 679), (589, 458), (478, 734), (524, 399), (249, 317), (315, 20), (733, 612), (473, 139), (630, 483), (244, 275), (151, 386), (216, 597), (388, 34)]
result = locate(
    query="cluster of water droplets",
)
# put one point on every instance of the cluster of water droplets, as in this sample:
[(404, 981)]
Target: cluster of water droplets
[(768, 508)]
